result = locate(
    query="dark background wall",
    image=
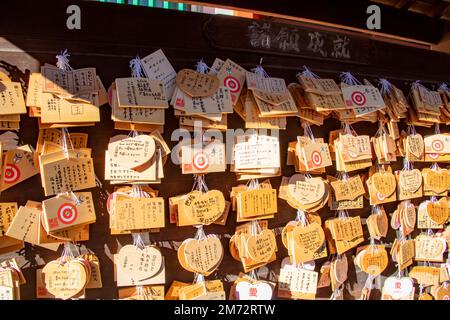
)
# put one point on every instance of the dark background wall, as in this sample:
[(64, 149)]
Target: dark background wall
[(33, 32)]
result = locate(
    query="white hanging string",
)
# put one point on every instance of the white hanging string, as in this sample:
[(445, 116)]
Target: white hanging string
[(348, 78), (381, 168), (308, 176), (202, 67), (348, 129), (199, 183), (136, 72), (435, 166), (142, 295), (63, 61), (430, 232), (134, 133), (138, 241), (414, 86), (199, 278), (444, 87), (385, 86), (195, 183), (75, 198), (65, 136), (66, 142), (255, 228), (411, 129), (369, 285), (376, 210), (342, 214), (136, 68), (399, 271), (307, 131), (67, 253), (437, 129), (199, 235), (381, 129), (99, 184), (203, 186), (308, 73), (259, 70), (253, 184), (421, 287), (407, 165), (301, 217), (336, 293), (135, 190), (254, 274)]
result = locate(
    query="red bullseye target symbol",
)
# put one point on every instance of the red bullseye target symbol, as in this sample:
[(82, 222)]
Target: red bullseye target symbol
[(316, 158), (12, 173), (433, 155), (232, 83), (437, 145), (358, 98), (67, 213), (201, 161)]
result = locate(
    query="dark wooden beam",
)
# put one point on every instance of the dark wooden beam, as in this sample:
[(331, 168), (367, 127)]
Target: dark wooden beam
[(439, 9), (114, 31), (405, 4), (347, 13)]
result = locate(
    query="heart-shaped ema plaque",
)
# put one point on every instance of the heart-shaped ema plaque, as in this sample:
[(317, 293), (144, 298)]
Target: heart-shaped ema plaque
[(201, 256), (65, 279), (373, 260), (203, 208), (309, 241), (415, 145), (384, 183), (197, 84), (410, 180), (139, 263), (262, 246), (441, 293), (438, 211), (437, 181)]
